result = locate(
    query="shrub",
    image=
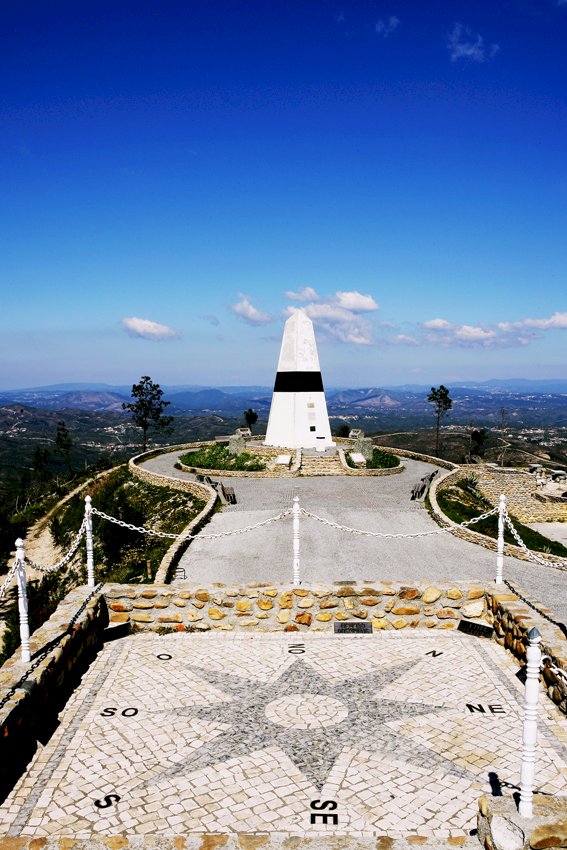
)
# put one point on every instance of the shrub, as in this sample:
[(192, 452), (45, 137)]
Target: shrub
[(219, 457)]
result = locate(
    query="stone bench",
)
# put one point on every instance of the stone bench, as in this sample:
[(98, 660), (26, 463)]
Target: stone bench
[(358, 459), (283, 460)]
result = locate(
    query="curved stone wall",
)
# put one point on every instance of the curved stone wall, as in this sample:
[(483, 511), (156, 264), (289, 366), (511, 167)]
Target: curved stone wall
[(467, 533), (201, 491)]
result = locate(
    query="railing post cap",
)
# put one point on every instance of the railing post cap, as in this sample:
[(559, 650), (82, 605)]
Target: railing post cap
[(19, 542), (502, 498), (534, 635), (296, 499), (88, 499)]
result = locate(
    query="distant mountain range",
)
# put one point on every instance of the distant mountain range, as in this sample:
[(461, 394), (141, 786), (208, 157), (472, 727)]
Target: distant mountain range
[(193, 398)]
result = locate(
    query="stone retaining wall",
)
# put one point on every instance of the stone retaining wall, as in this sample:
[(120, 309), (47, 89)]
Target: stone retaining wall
[(266, 607), (519, 487), (468, 534), (435, 461), (201, 491), (512, 620), (30, 715)]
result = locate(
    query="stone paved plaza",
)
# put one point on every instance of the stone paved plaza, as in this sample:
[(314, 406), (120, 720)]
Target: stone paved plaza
[(391, 735), (327, 555)]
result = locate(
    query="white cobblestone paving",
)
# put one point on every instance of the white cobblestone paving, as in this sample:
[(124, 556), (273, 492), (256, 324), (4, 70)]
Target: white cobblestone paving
[(236, 733)]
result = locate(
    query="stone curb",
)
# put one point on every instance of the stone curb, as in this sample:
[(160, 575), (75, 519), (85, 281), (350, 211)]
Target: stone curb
[(238, 841)]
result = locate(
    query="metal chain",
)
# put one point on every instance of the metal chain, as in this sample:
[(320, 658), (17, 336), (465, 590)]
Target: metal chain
[(65, 559), (11, 573), (562, 674), (446, 530), (171, 536), (561, 564), (47, 649), (561, 626)]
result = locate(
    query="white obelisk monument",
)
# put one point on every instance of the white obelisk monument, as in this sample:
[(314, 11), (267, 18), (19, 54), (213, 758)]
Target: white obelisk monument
[(298, 413)]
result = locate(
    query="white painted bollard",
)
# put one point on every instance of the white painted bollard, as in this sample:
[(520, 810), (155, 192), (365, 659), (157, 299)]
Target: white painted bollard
[(296, 512), (500, 547), (89, 541), (23, 601), (529, 739)]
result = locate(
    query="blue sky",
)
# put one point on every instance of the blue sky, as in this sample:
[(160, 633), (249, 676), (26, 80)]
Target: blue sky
[(177, 176)]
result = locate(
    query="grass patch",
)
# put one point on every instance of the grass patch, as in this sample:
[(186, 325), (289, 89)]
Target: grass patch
[(462, 501), (121, 556), (219, 457), (379, 460)]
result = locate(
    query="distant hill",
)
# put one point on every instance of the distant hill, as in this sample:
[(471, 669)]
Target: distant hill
[(75, 400), (364, 398), (216, 400), (80, 400)]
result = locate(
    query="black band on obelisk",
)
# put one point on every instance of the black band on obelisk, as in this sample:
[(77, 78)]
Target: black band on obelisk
[(298, 382)]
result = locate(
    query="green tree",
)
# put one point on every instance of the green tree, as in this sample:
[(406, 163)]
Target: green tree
[(63, 444), (147, 408), (343, 430), (250, 417), (42, 464), (439, 397)]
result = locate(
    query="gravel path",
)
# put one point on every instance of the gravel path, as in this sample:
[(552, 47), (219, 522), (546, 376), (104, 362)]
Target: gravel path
[(328, 554)]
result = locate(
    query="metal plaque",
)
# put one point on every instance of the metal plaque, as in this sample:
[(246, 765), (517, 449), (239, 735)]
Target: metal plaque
[(476, 629), (353, 628)]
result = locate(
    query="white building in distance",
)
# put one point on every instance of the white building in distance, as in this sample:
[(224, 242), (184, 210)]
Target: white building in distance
[(298, 413)]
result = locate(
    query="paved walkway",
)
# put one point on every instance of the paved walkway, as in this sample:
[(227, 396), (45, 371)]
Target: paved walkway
[(362, 736), (327, 555)]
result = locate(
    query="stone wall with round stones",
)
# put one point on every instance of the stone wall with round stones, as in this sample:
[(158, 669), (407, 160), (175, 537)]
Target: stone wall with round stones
[(383, 606), (266, 607)]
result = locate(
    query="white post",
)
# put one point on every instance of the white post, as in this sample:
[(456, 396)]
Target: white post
[(89, 539), (530, 724), (500, 548), (296, 579), (23, 601)]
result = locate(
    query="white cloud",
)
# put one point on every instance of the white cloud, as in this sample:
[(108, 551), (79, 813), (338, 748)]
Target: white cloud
[(338, 324), (386, 26), (463, 43), (470, 333), (448, 335), (249, 313), (355, 301), (556, 321), (337, 316), (437, 324), (305, 294), (147, 329), (402, 339)]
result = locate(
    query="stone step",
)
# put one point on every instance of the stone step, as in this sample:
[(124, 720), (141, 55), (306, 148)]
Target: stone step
[(324, 465)]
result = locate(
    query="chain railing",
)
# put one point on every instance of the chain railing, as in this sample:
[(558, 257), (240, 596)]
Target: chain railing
[(8, 580), (86, 530), (170, 536), (560, 563), (65, 559), (387, 535)]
